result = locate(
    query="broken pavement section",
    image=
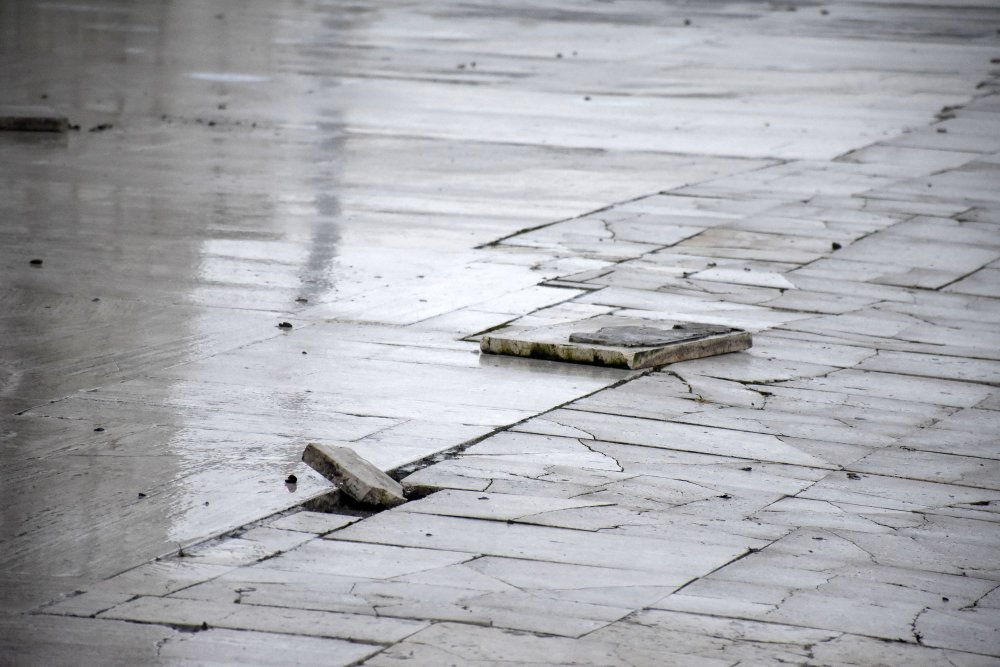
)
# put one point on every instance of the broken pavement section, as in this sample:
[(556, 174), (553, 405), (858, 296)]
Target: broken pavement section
[(354, 475), (618, 341)]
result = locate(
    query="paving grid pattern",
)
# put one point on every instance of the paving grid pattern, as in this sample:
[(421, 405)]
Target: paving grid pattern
[(828, 497)]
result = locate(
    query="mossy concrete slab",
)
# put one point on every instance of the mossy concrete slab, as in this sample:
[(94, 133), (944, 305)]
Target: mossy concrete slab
[(618, 341)]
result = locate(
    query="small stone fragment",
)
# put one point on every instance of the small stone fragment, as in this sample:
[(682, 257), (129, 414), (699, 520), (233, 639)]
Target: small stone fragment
[(835, 246), (354, 475), (725, 496), (302, 299), (142, 495), (99, 429), (284, 325), (35, 262)]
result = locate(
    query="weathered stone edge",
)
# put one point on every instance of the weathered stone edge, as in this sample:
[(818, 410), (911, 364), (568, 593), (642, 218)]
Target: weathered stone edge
[(603, 355)]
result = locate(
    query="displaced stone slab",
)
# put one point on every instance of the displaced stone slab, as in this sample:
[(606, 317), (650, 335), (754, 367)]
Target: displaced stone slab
[(32, 119), (618, 341), (636, 336), (354, 475)]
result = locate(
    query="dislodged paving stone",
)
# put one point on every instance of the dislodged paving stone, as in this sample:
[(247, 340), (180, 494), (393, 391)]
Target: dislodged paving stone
[(620, 342), (354, 475)]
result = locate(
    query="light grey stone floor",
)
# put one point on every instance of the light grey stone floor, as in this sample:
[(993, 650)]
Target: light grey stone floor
[(394, 179)]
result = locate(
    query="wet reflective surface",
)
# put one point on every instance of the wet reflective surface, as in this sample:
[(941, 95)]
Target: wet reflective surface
[(341, 168), (238, 166)]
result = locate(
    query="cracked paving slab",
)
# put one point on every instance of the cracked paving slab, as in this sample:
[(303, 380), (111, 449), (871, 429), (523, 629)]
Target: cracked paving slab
[(828, 497)]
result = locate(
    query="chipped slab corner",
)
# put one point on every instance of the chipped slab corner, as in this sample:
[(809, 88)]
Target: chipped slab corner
[(354, 475), (618, 342), (32, 119)]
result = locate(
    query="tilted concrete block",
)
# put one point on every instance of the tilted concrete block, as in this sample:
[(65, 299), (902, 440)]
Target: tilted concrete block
[(354, 475)]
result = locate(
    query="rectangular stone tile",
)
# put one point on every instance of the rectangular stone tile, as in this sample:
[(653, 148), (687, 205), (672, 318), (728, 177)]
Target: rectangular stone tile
[(899, 387), (492, 506), (646, 634), (195, 613), (731, 316), (982, 282), (541, 543), (161, 577), (779, 345), (249, 547), (920, 160), (906, 495), (838, 589), (819, 302), (661, 493), (715, 392), (805, 513), (752, 368), (863, 651), (725, 523), (934, 366), (317, 523), (243, 647), (932, 467), (88, 603), (472, 645), (659, 395), (55, 640), (357, 559), (718, 472), (269, 587), (531, 611), (873, 411), (507, 475), (684, 437), (799, 426), (530, 448)]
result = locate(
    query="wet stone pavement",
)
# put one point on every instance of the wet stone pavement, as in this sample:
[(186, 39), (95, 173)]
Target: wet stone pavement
[(393, 180)]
